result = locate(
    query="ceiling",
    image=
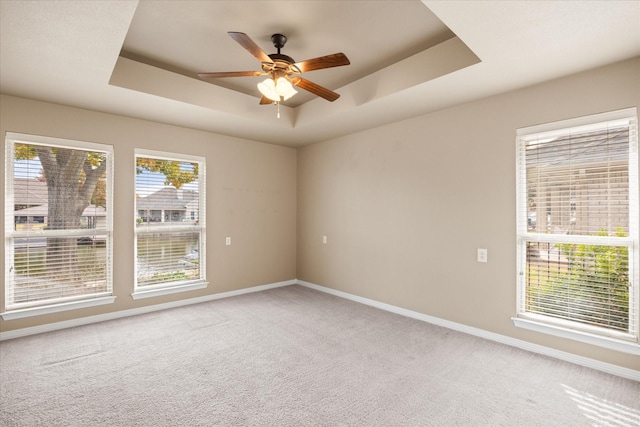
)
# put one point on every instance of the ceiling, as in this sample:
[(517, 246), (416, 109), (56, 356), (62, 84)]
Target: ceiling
[(408, 57)]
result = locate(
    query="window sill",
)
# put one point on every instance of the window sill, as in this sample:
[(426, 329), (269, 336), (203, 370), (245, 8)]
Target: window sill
[(585, 337), (56, 308), (168, 290)]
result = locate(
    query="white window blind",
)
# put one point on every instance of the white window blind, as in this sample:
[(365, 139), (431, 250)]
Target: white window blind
[(578, 225), (58, 223), (170, 220)]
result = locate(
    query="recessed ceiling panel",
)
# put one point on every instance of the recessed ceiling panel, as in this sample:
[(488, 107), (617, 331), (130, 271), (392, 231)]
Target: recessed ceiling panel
[(189, 37)]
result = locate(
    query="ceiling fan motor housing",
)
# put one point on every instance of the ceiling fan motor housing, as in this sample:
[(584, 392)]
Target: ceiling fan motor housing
[(281, 62), (278, 57)]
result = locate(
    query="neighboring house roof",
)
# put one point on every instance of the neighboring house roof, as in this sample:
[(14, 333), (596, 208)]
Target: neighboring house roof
[(33, 192), (167, 198), (576, 148), (29, 191), (43, 210)]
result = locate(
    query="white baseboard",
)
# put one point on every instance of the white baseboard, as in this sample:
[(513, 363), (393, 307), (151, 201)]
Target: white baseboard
[(135, 311), (503, 339)]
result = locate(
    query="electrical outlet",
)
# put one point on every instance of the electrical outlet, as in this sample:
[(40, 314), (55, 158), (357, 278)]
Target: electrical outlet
[(482, 255), (227, 241), (324, 240)]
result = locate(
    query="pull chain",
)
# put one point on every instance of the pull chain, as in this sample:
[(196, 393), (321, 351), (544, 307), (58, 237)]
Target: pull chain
[(278, 104)]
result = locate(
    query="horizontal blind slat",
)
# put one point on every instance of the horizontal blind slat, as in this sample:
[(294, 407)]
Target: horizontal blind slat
[(169, 223), (59, 241), (574, 224)]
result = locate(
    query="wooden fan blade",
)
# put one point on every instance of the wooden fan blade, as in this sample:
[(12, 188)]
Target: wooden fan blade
[(265, 101), (328, 61), (229, 74), (246, 42), (314, 88)]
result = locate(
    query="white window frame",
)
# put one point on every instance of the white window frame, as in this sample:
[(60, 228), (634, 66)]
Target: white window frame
[(624, 342), (37, 308), (183, 285)]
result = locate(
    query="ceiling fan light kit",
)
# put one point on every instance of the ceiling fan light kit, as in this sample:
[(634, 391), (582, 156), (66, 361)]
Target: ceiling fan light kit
[(282, 70), (277, 91)]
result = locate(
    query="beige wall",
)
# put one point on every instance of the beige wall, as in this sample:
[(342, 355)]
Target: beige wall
[(251, 197), (405, 206)]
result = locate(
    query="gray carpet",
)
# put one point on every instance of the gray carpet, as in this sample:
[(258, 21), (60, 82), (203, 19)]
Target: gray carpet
[(293, 356)]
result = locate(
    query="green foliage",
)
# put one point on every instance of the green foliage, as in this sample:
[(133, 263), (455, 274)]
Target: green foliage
[(174, 174), (594, 287), (28, 152), (173, 276), (24, 151)]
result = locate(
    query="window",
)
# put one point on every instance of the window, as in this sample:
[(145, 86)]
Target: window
[(58, 225), (577, 225), (170, 223)]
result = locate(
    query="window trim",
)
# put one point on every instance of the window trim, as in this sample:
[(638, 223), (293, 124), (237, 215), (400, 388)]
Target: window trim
[(30, 309), (178, 286), (618, 341), (544, 327), (168, 290), (57, 308)]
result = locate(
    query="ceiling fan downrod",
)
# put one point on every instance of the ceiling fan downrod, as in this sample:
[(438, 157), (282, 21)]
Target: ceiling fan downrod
[(279, 40)]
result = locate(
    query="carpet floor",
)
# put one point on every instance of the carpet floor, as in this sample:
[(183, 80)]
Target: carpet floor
[(293, 356)]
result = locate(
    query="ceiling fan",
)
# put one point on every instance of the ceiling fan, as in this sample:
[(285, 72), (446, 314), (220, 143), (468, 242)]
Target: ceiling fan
[(282, 71)]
